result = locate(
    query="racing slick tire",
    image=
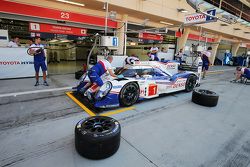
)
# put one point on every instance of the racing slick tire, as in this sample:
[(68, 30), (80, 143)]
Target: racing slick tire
[(97, 137), (129, 94), (190, 84), (205, 97)]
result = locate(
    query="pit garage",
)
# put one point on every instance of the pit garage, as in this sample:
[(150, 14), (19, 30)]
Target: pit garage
[(127, 111), (164, 131)]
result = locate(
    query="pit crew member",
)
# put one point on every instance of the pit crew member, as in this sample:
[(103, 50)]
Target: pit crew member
[(95, 74), (179, 55), (241, 72), (39, 60), (205, 61), (154, 50)]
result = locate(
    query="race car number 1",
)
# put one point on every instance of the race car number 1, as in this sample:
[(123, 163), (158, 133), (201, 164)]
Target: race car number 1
[(152, 89)]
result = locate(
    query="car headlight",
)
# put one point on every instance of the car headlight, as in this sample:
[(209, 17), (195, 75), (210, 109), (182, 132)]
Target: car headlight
[(104, 90)]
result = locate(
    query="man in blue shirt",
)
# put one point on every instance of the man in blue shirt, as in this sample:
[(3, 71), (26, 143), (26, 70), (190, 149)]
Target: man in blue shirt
[(39, 60)]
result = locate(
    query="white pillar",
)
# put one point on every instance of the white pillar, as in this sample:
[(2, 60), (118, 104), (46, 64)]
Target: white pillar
[(183, 39), (235, 48), (121, 34), (215, 48)]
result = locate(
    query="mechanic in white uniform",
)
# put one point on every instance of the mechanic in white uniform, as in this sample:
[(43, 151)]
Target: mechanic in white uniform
[(179, 56), (14, 43), (154, 50)]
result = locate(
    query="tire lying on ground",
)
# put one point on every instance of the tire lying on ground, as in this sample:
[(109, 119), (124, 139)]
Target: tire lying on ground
[(205, 97), (97, 137)]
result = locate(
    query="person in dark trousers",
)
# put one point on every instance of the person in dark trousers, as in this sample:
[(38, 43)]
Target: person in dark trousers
[(154, 50), (205, 61), (39, 60), (95, 73), (179, 55), (241, 72)]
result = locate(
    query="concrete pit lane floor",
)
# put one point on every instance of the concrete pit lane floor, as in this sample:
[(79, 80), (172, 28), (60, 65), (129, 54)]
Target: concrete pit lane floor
[(37, 130)]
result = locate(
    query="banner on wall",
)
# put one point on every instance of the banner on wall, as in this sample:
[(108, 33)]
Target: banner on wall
[(16, 63), (57, 29), (150, 36), (199, 18), (54, 14)]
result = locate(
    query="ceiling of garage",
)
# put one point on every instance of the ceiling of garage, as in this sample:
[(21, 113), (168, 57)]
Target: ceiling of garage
[(239, 8)]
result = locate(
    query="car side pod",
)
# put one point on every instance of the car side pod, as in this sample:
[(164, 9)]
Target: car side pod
[(205, 97), (97, 137)]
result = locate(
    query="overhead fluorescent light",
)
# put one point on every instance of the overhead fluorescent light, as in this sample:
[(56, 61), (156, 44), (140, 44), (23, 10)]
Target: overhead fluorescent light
[(163, 22), (223, 24), (53, 40), (132, 43), (182, 10), (237, 29), (70, 2)]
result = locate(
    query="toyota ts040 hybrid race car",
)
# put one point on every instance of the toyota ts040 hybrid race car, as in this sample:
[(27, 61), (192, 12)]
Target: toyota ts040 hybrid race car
[(142, 80)]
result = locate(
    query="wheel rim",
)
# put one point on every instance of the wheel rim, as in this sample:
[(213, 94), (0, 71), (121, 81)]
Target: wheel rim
[(97, 125), (191, 84), (130, 94)]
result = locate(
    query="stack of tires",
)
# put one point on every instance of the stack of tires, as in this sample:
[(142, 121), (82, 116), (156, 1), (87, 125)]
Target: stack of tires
[(97, 137)]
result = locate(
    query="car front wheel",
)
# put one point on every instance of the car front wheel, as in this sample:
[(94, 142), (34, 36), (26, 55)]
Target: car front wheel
[(129, 94), (190, 84)]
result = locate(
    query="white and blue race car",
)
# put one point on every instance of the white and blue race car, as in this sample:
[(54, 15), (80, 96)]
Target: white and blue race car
[(142, 80)]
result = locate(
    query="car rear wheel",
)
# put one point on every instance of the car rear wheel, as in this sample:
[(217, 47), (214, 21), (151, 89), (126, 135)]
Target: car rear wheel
[(191, 82), (129, 94), (97, 137), (205, 97)]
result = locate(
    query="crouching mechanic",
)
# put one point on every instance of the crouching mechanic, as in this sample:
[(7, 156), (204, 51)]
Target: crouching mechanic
[(95, 74), (241, 72), (37, 49)]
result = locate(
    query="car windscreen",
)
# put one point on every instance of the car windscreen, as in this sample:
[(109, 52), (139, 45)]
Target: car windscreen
[(140, 72), (128, 72)]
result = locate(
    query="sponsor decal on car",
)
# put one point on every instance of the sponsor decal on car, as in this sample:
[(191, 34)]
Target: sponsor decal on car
[(178, 85), (117, 86), (180, 82), (171, 65)]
